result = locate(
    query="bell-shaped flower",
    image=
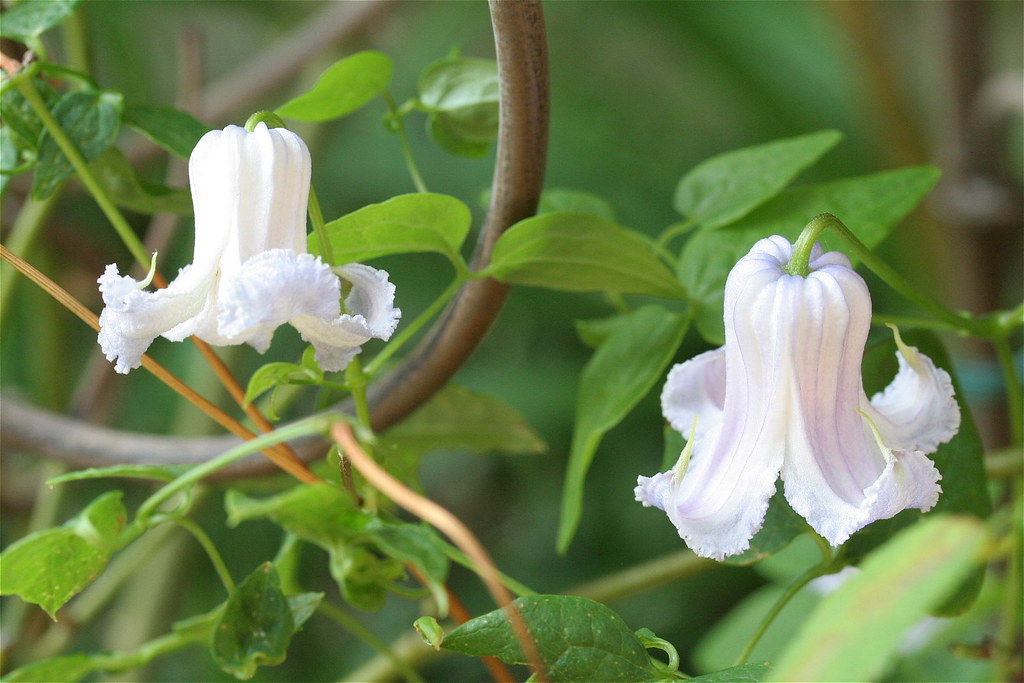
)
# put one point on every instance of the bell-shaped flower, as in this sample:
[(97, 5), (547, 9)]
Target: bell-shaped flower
[(785, 396), (251, 271)]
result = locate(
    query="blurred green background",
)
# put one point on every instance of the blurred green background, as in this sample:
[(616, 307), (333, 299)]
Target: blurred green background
[(640, 93)]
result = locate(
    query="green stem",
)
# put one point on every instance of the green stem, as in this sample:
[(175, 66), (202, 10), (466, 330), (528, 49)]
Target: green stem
[(410, 330), (671, 232), (1010, 625), (311, 425), (211, 551), (787, 595), (356, 380), (121, 661), (316, 218), (353, 626), (1014, 399), (398, 117), (27, 88), (799, 262), (913, 321), (896, 281)]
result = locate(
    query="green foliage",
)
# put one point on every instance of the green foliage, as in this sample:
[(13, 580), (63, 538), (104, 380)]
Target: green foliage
[(173, 129), (255, 627), (117, 177), (745, 673), (457, 417), (727, 187), (871, 206), (28, 19), (856, 630), (409, 223), (620, 373), (273, 376), (577, 639), (781, 525), (578, 252), (460, 96), (344, 87), (50, 566), (91, 120), (557, 199), (366, 552), (55, 670)]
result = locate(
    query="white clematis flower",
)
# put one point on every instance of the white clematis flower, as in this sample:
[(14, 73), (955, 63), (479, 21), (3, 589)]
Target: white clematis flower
[(785, 396), (251, 271)]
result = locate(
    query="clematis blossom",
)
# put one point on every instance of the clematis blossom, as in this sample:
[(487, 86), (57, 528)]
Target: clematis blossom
[(784, 397), (251, 271)]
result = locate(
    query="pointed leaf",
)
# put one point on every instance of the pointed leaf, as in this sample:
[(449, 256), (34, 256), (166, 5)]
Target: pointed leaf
[(727, 187), (113, 171), (173, 129), (256, 625), (578, 252), (854, 632), (50, 566), (410, 223), (619, 374), (461, 96), (577, 639), (345, 86)]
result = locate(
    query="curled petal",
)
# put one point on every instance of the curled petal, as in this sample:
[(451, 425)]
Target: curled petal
[(132, 318), (695, 388), (372, 297), (917, 411)]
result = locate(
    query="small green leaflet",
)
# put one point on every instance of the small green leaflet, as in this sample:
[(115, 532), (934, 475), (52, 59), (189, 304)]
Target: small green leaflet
[(50, 566), (460, 95), (27, 19), (344, 87), (173, 129)]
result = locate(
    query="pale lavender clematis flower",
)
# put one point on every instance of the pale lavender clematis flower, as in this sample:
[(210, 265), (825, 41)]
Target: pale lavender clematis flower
[(251, 271), (785, 396)]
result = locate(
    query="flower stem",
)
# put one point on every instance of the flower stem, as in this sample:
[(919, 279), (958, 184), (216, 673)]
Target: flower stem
[(398, 118), (1014, 398), (211, 551), (23, 233), (356, 379), (787, 595), (316, 218), (799, 262), (27, 88)]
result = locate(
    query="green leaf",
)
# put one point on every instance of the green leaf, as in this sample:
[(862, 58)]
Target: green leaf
[(90, 119), (752, 673), (594, 332), (274, 375), (256, 625), (727, 187), (19, 116), (113, 171), (50, 566), (578, 252), (960, 462), (157, 472), (556, 200), (854, 632), (419, 546), (577, 639), (320, 513), (871, 206), (422, 222), (457, 417), (460, 95), (9, 156), (66, 669), (303, 606), (619, 374), (781, 525), (27, 19), (345, 86), (173, 129)]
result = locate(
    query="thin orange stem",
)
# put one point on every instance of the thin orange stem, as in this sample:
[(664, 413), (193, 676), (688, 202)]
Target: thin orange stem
[(451, 526), (283, 459)]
